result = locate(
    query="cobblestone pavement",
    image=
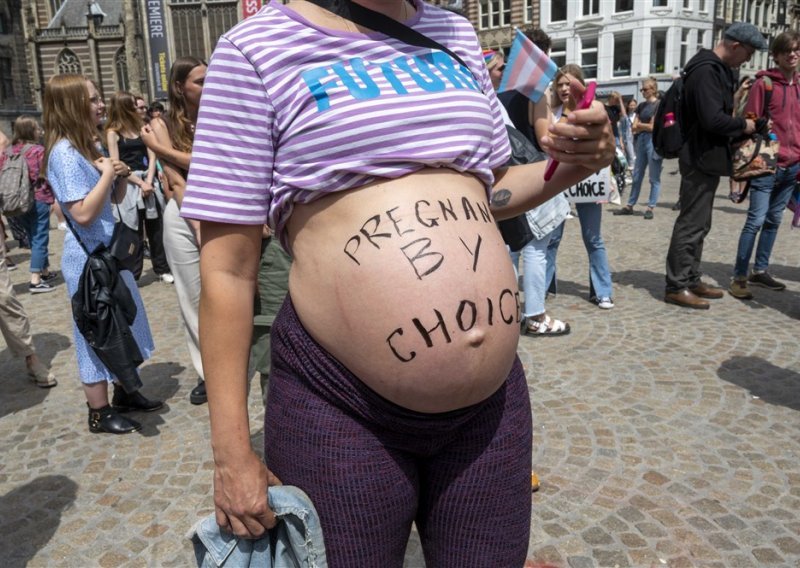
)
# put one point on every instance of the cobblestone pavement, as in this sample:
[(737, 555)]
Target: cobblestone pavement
[(663, 436)]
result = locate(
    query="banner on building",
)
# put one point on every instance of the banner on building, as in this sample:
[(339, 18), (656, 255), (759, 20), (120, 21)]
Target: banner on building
[(159, 48), (250, 7), (595, 188)]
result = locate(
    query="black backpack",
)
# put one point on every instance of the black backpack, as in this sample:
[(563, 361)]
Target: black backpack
[(668, 140)]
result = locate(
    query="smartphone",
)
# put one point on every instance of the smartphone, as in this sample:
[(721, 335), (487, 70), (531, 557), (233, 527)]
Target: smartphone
[(586, 102)]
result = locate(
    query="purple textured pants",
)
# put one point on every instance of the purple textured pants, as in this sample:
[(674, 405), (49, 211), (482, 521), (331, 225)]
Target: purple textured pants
[(372, 467)]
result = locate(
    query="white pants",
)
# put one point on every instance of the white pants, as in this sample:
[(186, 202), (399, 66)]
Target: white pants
[(183, 256)]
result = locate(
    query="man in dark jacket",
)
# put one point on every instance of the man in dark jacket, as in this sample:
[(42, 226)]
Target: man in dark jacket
[(708, 128)]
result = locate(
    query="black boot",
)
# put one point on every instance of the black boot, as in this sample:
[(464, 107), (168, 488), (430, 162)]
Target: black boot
[(108, 420), (125, 402), (198, 394)]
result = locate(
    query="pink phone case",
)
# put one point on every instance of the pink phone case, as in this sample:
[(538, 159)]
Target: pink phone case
[(586, 102)]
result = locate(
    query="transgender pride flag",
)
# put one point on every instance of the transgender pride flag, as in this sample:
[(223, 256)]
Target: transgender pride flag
[(528, 69)]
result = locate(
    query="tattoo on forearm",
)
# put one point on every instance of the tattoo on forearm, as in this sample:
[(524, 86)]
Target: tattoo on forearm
[(501, 197)]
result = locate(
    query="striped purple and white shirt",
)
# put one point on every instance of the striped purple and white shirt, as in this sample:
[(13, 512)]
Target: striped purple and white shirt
[(291, 111)]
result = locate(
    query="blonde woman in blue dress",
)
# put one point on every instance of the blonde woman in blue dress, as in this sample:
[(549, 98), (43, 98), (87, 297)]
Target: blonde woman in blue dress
[(83, 182)]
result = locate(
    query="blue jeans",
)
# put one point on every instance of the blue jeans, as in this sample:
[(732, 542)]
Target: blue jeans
[(590, 216), (768, 198), (646, 156), (534, 259), (37, 225)]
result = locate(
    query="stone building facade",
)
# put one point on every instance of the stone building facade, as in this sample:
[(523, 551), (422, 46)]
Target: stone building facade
[(16, 95), (130, 44)]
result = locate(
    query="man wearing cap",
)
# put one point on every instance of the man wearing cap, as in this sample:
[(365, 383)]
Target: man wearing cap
[(708, 128), (778, 87)]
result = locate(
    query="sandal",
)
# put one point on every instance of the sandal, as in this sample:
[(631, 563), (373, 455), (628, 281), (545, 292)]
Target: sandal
[(41, 376), (548, 326)]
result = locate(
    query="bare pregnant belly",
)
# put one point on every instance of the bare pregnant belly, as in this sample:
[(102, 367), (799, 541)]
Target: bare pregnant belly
[(408, 283)]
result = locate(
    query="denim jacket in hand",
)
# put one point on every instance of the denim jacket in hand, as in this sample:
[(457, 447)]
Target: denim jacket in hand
[(295, 542)]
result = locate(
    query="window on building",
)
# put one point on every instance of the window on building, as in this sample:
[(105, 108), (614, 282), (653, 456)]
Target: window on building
[(558, 10), (685, 55), (55, 6), (221, 18), (623, 6), (589, 57), (121, 69), (197, 28), (528, 16), (703, 7), (622, 55), (591, 7), (558, 52), (68, 62), (658, 51), (493, 13), (5, 21), (757, 13), (738, 10), (660, 3), (6, 79)]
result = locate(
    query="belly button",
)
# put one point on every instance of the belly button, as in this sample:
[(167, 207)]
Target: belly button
[(475, 337)]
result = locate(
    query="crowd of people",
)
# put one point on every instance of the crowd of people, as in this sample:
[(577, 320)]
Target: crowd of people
[(260, 168)]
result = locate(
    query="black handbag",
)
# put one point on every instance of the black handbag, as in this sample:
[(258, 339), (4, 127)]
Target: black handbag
[(124, 246), (516, 231)]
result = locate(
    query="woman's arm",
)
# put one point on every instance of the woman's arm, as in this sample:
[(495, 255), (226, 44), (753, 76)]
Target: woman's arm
[(156, 136), (645, 126), (151, 166), (541, 117), (86, 210), (177, 183), (636, 128), (228, 269), (583, 144), (621, 104)]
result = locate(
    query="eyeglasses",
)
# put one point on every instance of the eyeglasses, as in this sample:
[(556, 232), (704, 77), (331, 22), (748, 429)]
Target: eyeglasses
[(502, 68), (95, 99)]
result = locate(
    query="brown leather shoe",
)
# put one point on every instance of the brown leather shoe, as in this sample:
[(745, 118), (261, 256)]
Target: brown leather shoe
[(686, 299), (703, 290)]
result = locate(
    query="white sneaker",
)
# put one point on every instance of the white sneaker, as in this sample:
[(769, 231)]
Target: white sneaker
[(605, 303), (167, 277)]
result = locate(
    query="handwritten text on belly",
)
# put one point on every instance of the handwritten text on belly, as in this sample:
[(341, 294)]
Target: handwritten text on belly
[(413, 235)]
